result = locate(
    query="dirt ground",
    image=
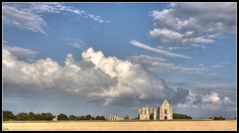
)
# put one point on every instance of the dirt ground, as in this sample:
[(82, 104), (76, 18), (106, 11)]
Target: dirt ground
[(123, 125)]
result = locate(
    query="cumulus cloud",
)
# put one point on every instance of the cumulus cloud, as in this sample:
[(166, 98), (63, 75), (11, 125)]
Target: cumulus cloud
[(165, 34), (107, 79), (23, 19), (210, 102), (194, 23), (213, 97), (158, 50)]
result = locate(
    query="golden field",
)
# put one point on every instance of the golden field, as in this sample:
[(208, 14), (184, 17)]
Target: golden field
[(123, 125)]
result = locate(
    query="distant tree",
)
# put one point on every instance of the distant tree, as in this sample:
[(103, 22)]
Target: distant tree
[(88, 117), (102, 118), (32, 116), (219, 118), (47, 116), (181, 116), (62, 117), (235, 118), (8, 115), (38, 117), (97, 117), (72, 117), (82, 117), (22, 116)]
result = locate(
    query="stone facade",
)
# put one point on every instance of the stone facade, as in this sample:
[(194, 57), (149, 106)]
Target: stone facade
[(144, 113), (155, 113), (164, 112), (115, 118)]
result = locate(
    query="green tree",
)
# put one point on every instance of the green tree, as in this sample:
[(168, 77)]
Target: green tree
[(62, 117), (47, 116), (88, 117), (32, 116), (219, 118), (97, 117), (82, 117), (22, 116), (38, 117), (102, 118), (8, 115), (181, 116), (72, 117)]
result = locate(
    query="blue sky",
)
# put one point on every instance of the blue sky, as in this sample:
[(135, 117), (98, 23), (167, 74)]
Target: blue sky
[(99, 56)]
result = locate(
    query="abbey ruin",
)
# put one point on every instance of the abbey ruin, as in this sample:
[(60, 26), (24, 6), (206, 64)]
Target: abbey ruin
[(164, 112)]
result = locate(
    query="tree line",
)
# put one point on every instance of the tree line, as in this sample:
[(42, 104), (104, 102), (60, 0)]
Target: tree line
[(9, 115), (181, 116), (217, 118)]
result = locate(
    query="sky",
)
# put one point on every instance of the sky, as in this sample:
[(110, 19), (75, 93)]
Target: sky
[(112, 58)]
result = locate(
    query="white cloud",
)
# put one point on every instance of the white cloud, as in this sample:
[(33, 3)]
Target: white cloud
[(213, 97), (20, 52), (165, 34), (198, 23), (158, 50), (107, 79), (161, 64), (61, 8), (23, 19), (211, 85), (226, 100), (28, 16), (76, 43), (210, 102), (41, 73)]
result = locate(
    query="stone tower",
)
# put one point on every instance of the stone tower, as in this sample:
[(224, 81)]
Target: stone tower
[(165, 111)]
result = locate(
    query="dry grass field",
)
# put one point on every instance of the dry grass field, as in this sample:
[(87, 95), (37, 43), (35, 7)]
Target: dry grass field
[(124, 125)]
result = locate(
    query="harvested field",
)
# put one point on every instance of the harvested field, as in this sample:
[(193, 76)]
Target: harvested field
[(123, 125)]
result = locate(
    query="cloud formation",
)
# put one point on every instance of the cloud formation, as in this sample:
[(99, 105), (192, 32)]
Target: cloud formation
[(194, 23), (107, 79), (158, 50), (20, 52), (28, 16), (23, 19), (157, 63), (76, 43), (54, 7)]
